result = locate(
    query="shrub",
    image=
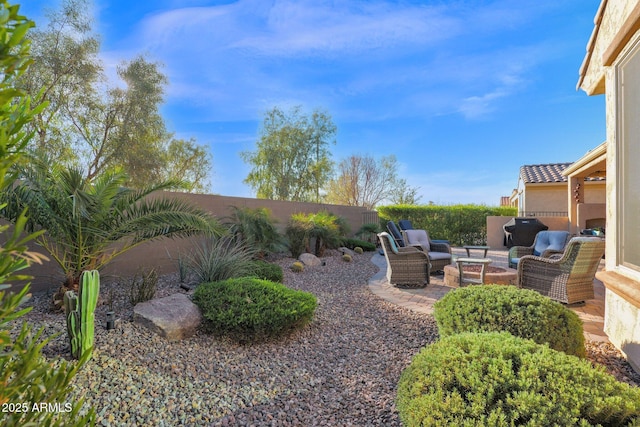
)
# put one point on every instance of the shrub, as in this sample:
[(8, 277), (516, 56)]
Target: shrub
[(221, 259), (347, 258), (354, 243), (297, 233), (324, 228), (143, 286), (522, 312), (297, 267), (496, 379), (255, 228), (267, 271), (250, 309), (358, 250)]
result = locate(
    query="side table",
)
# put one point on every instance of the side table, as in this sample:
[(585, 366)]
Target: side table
[(469, 248), (472, 261)]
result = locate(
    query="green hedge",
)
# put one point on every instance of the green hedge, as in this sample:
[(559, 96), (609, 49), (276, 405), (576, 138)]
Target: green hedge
[(267, 271), (496, 379), (459, 224), (354, 243), (522, 312), (249, 309)]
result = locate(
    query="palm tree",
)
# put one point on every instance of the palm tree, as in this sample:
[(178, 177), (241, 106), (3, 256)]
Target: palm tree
[(90, 222)]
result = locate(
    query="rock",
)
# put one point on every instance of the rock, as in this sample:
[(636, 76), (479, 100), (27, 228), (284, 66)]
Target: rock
[(309, 260), (174, 317), (346, 251)]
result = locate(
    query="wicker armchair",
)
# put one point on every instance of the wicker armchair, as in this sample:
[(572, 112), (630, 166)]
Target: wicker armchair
[(439, 253), (406, 267), (545, 244), (568, 279)]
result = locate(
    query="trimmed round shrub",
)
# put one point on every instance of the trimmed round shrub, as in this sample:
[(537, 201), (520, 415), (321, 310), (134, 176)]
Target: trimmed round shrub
[(268, 271), (358, 250), (297, 267), (522, 312), (250, 309), (347, 258), (496, 379)]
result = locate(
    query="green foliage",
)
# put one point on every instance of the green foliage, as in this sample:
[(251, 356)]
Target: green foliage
[(297, 267), (256, 228), (27, 378), (249, 309), (347, 258), (84, 218), (496, 379), (459, 224), (102, 128), (324, 228), (291, 161), (221, 259), (267, 271), (143, 286), (522, 312), (80, 314), (355, 243), (369, 232)]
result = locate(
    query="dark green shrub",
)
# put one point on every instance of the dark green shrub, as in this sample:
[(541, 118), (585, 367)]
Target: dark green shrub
[(369, 231), (496, 379), (297, 233), (256, 228), (354, 243), (522, 312), (460, 224), (267, 271), (250, 309)]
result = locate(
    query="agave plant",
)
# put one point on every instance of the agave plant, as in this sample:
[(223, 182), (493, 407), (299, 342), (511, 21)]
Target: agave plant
[(91, 222)]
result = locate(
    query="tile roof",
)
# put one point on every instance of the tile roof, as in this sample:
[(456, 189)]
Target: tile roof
[(541, 174)]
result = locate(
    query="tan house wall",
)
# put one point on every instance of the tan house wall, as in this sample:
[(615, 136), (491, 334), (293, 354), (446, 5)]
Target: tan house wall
[(163, 254), (615, 28), (545, 198)]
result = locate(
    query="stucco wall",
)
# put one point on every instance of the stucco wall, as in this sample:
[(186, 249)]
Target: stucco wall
[(553, 197)]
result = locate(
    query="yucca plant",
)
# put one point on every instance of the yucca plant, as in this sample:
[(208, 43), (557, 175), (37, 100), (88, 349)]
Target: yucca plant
[(220, 259), (91, 222)]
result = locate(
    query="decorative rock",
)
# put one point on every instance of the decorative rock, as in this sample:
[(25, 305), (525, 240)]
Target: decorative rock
[(346, 251), (174, 317), (309, 260)]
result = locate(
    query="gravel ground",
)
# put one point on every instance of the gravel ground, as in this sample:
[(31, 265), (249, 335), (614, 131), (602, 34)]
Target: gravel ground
[(341, 370)]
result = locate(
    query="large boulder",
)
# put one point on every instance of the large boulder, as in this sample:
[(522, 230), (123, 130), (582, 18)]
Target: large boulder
[(174, 317), (309, 260)]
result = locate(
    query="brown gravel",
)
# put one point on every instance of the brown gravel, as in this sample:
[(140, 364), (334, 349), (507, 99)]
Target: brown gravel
[(341, 370)]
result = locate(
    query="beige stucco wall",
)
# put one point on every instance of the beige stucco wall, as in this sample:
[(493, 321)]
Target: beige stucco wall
[(553, 197), (162, 254), (622, 306)]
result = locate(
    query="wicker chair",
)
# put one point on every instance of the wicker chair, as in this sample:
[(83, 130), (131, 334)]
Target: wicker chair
[(545, 244), (406, 267), (439, 253), (568, 279)]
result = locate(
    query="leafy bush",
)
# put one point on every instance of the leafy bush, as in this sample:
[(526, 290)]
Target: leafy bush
[(267, 271), (522, 312), (354, 243), (220, 259), (143, 286), (369, 231), (460, 224), (496, 379), (297, 233), (297, 267), (256, 228), (324, 228), (250, 309)]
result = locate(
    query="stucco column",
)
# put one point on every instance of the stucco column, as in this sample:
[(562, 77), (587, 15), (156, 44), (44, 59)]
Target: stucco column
[(575, 194)]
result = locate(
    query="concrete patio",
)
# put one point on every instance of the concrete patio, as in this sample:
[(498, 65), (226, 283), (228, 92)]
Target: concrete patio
[(421, 300)]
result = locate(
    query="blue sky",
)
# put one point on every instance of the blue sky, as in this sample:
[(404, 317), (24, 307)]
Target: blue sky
[(462, 92)]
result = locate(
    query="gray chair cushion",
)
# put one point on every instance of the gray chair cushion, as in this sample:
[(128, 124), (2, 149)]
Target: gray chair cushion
[(418, 237), (439, 255)]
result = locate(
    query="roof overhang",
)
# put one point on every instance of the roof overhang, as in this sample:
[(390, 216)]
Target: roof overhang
[(594, 162)]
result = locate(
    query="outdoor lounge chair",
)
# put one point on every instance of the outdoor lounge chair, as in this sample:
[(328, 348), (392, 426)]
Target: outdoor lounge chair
[(439, 253), (545, 244), (394, 231), (405, 224), (406, 267), (568, 279)]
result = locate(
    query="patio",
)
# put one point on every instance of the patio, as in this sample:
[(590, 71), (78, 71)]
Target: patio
[(422, 300)]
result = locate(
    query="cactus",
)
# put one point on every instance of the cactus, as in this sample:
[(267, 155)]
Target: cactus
[(80, 313)]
